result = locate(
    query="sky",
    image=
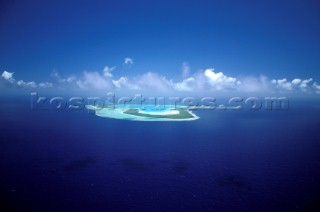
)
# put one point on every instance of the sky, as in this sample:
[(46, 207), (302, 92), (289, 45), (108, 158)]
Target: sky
[(181, 46)]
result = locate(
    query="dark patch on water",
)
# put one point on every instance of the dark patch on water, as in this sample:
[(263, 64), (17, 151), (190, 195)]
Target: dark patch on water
[(234, 181), (180, 168), (4, 200), (164, 161), (79, 164), (46, 165), (53, 160), (134, 164), (314, 204)]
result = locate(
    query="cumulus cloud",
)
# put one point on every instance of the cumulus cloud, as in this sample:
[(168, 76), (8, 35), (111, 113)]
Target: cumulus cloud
[(55, 74), (45, 85), (123, 82), (295, 84), (282, 84), (316, 87), (296, 81), (128, 61), (207, 80), (304, 83), (154, 81), (219, 81), (94, 80), (107, 71), (8, 76), (31, 84), (186, 85)]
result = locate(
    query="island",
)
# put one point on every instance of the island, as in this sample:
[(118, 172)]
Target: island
[(145, 113)]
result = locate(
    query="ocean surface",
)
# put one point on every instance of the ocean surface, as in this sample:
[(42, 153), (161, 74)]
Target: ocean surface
[(225, 161)]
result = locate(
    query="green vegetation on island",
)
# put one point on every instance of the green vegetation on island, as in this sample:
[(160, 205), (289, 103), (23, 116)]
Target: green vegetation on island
[(183, 114)]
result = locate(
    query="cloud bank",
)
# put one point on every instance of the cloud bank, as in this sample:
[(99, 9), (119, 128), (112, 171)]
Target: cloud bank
[(206, 80), (9, 81)]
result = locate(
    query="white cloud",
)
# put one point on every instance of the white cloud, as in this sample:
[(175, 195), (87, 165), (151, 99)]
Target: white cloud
[(155, 82), (94, 80), (219, 81), (71, 79), (21, 83), (61, 79), (202, 81), (107, 71), (128, 61), (282, 84), (186, 84), (31, 84), (304, 84), (185, 69), (123, 82), (295, 84), (296, 81), (45, 85), (207, 80), (8, 76), (316, 87), (81, 84), (254, 84)]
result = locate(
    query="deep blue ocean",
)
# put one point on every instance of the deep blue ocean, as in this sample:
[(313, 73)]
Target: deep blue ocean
[(225, 161)]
